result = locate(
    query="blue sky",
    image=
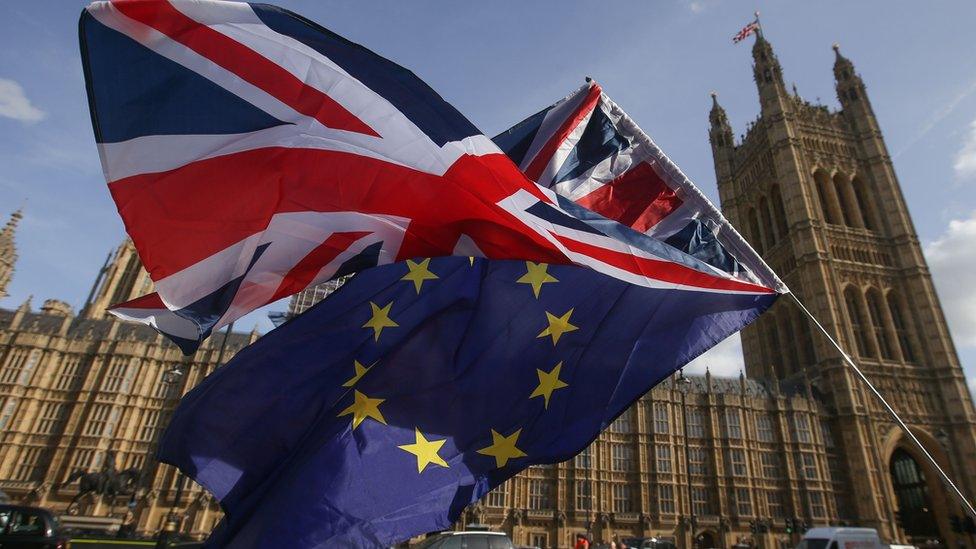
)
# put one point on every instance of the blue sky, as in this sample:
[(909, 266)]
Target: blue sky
[(498, 62)]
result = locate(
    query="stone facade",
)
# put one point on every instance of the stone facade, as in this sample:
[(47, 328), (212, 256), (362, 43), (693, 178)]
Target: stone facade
[(77, 389), (815, 192)]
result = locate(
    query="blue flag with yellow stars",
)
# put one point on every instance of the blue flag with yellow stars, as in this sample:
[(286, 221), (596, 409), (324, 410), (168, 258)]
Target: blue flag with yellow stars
[(417, 387)]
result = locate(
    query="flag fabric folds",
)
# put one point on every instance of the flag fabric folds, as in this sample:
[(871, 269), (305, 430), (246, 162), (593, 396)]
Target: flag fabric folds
[(587, 149), (417, 387), (252, 153)]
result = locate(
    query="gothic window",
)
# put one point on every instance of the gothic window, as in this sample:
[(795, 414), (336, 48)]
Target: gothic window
[(803, 337), (7, 412), (661, 424), (622, 423), (737, 462), (912, 494), (68, 374), (743, 502), (697, 464), (901, 331), (663, 454), (28, 369), (774, 504), (822, 181), (733, 424), (623, 500), (540, 494), (770, 465), (875, 309), (851, 296), (826, 433), (582, 460), (767, 223), (27, 466), (850, 206), (764, 429), (496, 498), (779, 212), (665, 498), (845, 209), (98, 420), (117, 379), (801, 428), (754, 231), (622, 457), (866, 210), (584, 495), (817, 509), (808, 466), (150, 420), (701, 504), (49, 418), (696, 423)]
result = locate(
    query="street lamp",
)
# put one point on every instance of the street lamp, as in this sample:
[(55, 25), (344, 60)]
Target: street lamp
[(172, 525), (683, 388)]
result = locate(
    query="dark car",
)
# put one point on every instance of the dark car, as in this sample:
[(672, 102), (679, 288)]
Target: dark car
[(23, 527)]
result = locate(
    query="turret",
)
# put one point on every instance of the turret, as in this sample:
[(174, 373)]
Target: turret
[(769, 77), (722, 140)]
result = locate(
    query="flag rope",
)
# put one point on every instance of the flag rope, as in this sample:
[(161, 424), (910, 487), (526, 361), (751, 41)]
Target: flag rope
[(945, 477)]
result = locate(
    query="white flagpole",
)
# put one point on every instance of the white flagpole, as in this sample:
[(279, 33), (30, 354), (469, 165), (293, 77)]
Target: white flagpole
[(945, 477)]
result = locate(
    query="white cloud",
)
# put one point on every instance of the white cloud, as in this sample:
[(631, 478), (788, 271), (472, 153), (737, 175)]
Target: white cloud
[(724, 359), (15, 104), (965, 164), (952, 259)]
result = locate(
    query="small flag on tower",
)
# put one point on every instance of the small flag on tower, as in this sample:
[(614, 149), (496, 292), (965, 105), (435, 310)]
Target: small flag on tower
[(752, 27)]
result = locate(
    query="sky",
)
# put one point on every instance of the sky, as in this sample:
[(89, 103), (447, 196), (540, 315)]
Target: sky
[(498, 62)]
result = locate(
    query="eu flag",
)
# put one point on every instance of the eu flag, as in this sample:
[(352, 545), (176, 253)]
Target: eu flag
[(415, 389)]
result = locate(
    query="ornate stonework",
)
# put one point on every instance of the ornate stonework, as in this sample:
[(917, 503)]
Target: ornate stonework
[(816, 194)]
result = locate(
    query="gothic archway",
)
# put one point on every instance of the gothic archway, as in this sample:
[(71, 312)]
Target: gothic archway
[(912, 495), (705, 540)]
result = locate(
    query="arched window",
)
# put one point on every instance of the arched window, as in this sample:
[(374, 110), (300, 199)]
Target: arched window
[(876, 311), (767, 223), (850, 205), (828, 198), (901, 329), (756, 234), (867, 209), (851, 296), (803, 339), (912, 494), (779, 212), (845, 207)]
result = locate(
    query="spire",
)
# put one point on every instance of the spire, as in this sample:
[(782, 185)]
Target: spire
[(849, 85), (720, 133), (8, 252), (768, 75)]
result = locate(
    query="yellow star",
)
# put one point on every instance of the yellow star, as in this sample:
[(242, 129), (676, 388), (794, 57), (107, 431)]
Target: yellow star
[(425, 450), (380, 319), (536, 275), (503, 448), (558, 325), (360, 372), (419, 273), (362, 408), (548, 382)]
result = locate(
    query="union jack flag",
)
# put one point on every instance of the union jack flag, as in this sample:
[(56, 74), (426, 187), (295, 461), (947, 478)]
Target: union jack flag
[(745, 32), (586, 149), (252, 153)]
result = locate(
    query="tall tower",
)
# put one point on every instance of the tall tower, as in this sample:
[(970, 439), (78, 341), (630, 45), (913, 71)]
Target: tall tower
[(816, 194), (8, 252), (121, 278)]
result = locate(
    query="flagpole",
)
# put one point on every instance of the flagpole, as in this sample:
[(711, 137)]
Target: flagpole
[(968, 507), (758, 24)]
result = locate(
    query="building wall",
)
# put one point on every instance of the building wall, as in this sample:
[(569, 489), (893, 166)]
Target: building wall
[(814, 191)]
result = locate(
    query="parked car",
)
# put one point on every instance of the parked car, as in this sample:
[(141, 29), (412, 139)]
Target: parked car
[(841, 538), (23, 527), (467, 540)]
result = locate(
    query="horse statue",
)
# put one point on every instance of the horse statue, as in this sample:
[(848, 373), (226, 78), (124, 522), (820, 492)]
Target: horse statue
[(107, 482)]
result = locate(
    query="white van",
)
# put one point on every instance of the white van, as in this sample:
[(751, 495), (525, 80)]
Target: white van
[(841, 538)]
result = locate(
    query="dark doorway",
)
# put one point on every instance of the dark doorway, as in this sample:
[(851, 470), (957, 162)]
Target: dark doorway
[(912, 493), (705, 540)]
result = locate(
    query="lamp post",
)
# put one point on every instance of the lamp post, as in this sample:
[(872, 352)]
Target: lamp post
[(692, 521)]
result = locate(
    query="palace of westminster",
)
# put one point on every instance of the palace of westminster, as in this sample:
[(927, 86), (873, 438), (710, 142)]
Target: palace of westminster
[(703, 461)]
